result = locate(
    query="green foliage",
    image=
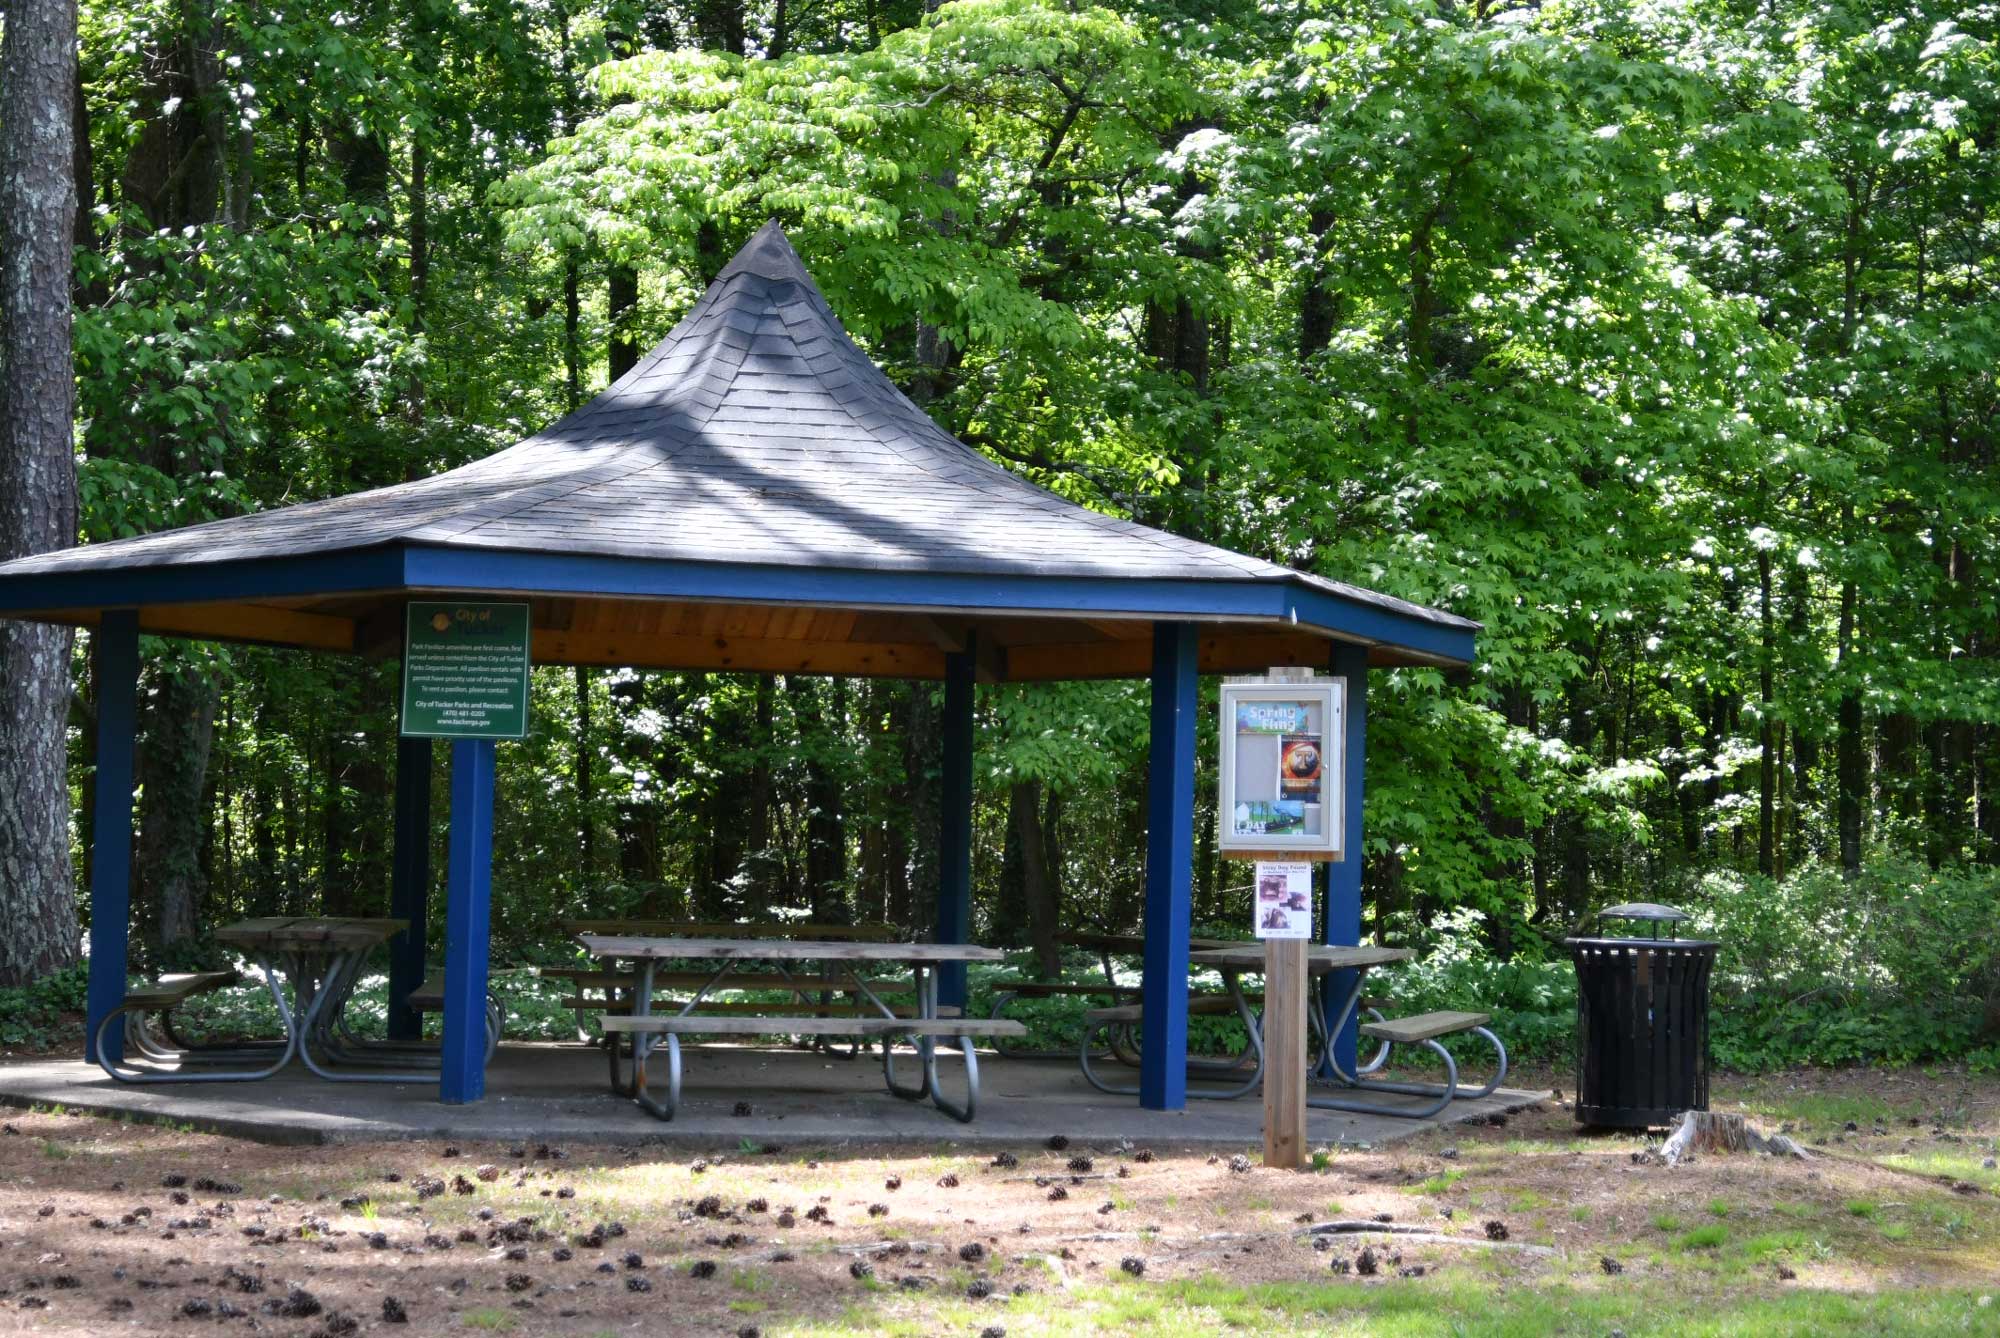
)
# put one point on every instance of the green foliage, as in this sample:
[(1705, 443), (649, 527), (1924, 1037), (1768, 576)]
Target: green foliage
[(1658, 339), (31, 1016)]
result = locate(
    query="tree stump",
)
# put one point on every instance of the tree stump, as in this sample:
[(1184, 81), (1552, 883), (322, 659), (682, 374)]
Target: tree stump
[(1706, 1131)]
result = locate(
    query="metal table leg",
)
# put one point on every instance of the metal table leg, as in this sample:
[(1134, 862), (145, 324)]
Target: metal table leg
[(127, 1072)]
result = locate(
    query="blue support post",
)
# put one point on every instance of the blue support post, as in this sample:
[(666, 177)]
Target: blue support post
[(410, 884), (954, 905), (116, 647), (468, 922), (1169, 869), (1343, 892)]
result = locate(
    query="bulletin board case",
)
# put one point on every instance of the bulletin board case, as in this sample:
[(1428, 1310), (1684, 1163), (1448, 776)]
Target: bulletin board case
[(1283, 770)]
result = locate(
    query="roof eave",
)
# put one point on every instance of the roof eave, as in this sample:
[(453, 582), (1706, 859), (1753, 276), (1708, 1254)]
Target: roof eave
[(393, 569)]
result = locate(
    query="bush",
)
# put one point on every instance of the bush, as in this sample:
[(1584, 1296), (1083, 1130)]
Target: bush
[(32, 1016), (1898, 966)]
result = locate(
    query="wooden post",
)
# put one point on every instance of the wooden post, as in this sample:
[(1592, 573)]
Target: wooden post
[(468, 922), (1285, 982), (116, 648)]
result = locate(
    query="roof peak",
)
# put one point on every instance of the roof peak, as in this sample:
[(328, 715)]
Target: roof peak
[(768, 254)]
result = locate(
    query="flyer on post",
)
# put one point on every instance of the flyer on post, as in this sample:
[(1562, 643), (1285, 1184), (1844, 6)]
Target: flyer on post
[(1284, 899)]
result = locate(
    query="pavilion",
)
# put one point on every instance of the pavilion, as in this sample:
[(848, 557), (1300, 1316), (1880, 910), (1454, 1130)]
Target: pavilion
[(754, 495)]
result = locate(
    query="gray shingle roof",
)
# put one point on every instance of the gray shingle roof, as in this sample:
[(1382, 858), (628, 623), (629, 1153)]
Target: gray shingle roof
[(755, 432)]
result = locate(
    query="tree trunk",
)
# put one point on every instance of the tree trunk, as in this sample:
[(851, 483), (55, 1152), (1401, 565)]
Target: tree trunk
[(1319, 307), (1850, 749), (923, 752), (1767, 752), (572, 341), (719, 26), (622, 298), (38, 220), (822, 723), (585, 815), (781, 30), (173, 770), (1038, 889)]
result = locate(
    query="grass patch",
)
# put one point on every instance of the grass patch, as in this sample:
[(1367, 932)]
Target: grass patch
[(1862, 1208), (1777, 1245), (1966, 1166), (1719, 1207), (490, 1318), (1440, 1182), (1710, 1237), (1667, 1223), (1468, 1308), (1826, 1108)]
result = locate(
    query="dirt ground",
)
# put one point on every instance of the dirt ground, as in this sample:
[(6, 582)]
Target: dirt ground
[(138, 1229)]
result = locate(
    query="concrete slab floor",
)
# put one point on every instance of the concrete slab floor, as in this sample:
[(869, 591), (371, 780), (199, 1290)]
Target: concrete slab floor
[(548, 1092)]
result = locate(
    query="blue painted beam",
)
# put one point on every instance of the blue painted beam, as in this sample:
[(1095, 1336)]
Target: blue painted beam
[(363, 571), (954, 904), (1283, 600), (115, 647), (1343, 898), (1169, 868), (390, 570), (468, 922), (410, 884)]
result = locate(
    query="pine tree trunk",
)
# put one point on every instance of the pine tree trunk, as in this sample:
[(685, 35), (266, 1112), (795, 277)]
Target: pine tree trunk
[(38, 82)]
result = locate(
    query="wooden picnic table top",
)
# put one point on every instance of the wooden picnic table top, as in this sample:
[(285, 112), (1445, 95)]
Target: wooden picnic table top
[(782, 950), (1131, 943), (764, 929), (307, 931), (1320, 957)]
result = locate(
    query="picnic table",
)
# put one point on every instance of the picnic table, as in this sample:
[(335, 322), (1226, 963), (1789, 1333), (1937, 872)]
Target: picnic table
[(843, 966), (322, 957), (596, 990), (1425, 1029), (1106, 946)]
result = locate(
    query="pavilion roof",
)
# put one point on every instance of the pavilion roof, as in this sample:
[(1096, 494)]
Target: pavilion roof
[(756, 441)]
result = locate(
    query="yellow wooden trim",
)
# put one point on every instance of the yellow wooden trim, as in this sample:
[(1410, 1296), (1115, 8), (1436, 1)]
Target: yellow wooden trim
[(1217, 653), (249, 622), (749, 654)]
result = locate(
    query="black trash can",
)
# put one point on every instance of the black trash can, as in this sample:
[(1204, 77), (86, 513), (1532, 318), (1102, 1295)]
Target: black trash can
[(1641, 1021)]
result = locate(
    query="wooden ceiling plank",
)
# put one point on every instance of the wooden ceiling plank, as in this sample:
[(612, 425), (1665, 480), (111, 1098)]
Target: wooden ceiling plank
[(740, 654)]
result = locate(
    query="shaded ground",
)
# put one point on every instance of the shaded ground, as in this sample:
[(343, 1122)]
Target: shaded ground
[(724, 1239), (542, 1093)]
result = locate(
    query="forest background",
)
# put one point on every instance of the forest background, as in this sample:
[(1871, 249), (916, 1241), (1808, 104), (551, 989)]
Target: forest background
[(1659, 338)]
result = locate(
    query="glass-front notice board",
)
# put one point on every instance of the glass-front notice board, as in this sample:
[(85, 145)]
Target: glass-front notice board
[(1283, 768)]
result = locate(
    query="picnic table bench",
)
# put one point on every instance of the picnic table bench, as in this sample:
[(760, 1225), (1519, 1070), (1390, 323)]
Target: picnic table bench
[(924, 1025), (146, 1006)]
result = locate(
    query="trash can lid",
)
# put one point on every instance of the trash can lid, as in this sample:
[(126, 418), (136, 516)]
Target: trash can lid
[(1642, 910)]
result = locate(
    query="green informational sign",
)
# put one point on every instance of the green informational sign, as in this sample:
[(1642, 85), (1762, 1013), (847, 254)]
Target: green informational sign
[(465, 671)]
